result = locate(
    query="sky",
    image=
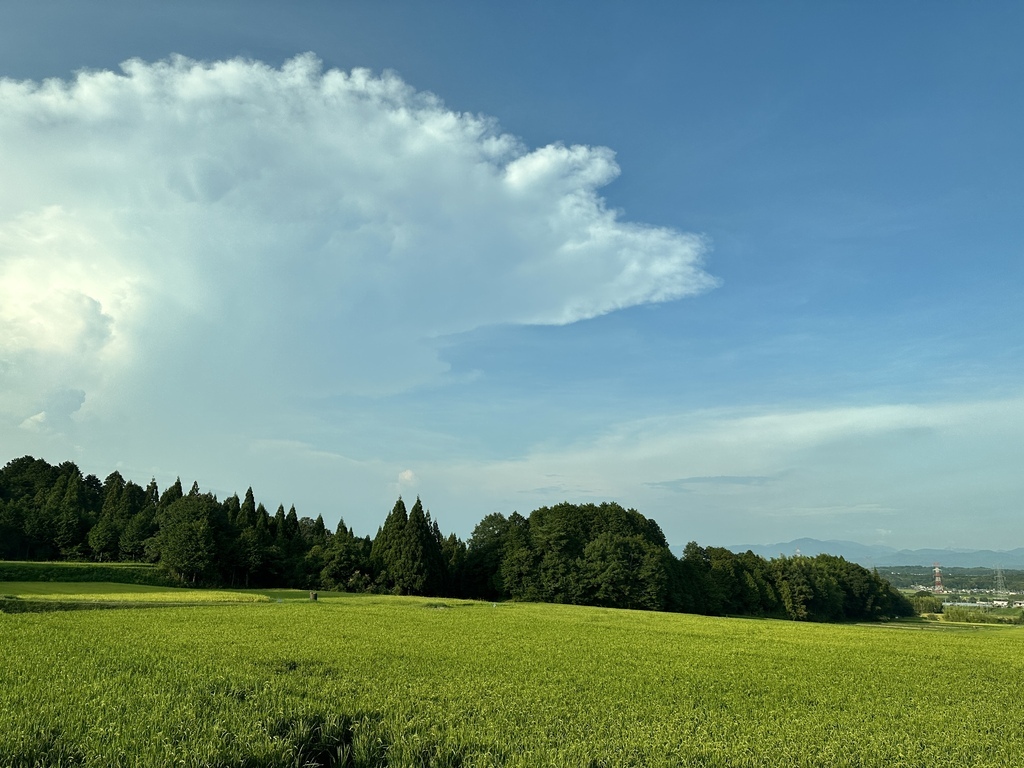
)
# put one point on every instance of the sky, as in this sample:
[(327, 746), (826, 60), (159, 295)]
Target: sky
[(755, 270)]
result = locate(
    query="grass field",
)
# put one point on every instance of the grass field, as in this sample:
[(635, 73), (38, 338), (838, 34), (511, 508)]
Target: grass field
[(362, 680), (102, 592), (121, 573), (41, 596)]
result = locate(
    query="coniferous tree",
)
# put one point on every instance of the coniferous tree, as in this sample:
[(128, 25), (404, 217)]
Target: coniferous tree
[(247, 512), (141, 528), (320, 534), (386, 555), (113, 489), (421, 570), (597, 554), (171, 494), (72, 521), (41, 520), (232, 507), (277, 528), (291, 524), (152, 500)]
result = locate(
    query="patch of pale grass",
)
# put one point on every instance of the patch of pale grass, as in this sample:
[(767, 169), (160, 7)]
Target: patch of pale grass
[(176, 596)]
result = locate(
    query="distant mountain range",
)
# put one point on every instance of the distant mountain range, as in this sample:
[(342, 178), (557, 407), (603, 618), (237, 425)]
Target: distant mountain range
[(871, 556)]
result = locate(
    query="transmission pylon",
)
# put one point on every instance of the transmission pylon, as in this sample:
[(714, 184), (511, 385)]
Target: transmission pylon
[(1000, 582), (937, 588)]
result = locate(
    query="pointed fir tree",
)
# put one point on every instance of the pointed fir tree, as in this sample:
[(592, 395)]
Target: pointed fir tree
[(171, 495), (232, 506), (422, 565), (385, 554), (319, 531), (291, 524), (277, 525), (72, 522), (247, 512)]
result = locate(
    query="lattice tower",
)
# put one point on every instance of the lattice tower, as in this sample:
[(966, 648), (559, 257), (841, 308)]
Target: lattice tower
[(938, 588), (1000, 582)]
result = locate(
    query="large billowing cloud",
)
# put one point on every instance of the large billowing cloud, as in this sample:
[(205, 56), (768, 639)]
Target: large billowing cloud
[(234, 233)]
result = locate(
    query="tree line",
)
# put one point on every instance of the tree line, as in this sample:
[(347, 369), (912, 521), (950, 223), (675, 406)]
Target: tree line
[(585, 554)]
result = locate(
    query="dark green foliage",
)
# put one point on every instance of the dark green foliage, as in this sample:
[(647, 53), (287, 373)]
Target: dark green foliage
[(406, 556), (187, 538), (590, 554), (423, 571), (828, 588), (313, 532), (484, 553), (246, 517), (141, 527), (232, 506), (115, 573), (105, 538), (171, 495), (926, 602), (623, 572), (386, 553), (346, 562), (587, 554), (453, 553), (12, 529), (68, 505)]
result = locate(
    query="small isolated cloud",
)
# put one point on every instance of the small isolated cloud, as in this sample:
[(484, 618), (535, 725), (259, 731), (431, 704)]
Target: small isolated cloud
[(406, 477), (58, 408), (183, 235), (35, 422)]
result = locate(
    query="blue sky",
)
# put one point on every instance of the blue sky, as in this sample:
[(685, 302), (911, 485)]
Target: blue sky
[(754, 269)]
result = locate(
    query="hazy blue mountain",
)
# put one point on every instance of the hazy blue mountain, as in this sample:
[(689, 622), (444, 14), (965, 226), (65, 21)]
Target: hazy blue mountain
[(877, 555)]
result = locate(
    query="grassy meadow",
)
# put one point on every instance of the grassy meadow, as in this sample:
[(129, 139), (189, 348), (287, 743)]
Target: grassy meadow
[(367, 680)]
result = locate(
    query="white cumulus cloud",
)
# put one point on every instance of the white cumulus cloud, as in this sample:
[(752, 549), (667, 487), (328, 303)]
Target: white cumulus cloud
[(183, 235)]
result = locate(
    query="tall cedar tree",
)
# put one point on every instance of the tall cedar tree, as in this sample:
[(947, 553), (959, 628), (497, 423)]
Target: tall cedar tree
[(386, 553)]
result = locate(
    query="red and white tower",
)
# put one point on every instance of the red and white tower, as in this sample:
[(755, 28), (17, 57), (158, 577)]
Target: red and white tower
[(937, 588)]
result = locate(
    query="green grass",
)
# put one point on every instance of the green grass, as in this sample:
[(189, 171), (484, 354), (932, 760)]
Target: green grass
[(44, 596), (365, 680), (84, 589), (87, 590), (124, 573), (90, 592)]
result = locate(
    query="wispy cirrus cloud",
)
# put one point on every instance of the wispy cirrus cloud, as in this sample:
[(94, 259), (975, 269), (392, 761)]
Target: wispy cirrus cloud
[(769, 473), (683, 484)]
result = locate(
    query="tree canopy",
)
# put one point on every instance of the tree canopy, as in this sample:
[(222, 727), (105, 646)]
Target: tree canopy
[(585, 554)]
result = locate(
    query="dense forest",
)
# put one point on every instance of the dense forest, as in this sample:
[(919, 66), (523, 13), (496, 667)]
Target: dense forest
[(584, 554)]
